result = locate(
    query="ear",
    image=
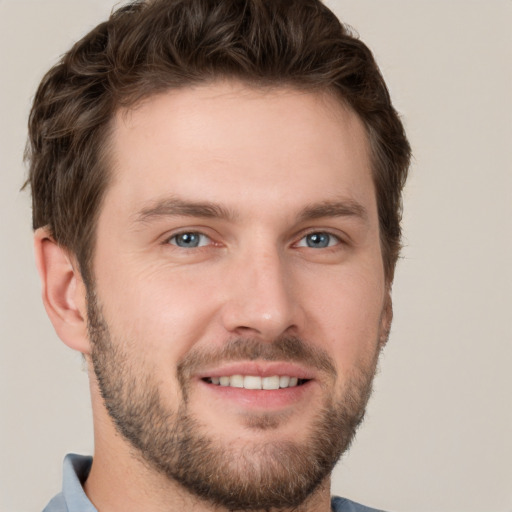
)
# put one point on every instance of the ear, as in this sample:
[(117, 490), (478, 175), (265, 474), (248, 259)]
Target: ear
[(386, 319), (63, 291)]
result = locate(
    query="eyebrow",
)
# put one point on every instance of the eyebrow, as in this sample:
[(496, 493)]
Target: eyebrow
[(344, 208), (171, 207)]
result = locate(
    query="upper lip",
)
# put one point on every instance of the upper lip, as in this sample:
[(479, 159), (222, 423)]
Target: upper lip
[(260, 369)]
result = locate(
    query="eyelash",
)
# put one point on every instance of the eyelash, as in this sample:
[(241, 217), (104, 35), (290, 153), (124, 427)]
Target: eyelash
[(337, 239), (183, 233), (331, 236)]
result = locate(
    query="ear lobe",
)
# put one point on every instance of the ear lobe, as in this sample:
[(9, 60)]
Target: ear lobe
[(63, 291), (386, 319)]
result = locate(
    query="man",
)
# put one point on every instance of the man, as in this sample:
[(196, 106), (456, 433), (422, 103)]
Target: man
[(216, 197)]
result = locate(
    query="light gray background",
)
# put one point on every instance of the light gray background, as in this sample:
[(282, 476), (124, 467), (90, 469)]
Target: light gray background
[(438, 435)]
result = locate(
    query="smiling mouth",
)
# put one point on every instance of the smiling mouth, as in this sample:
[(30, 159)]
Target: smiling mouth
[(255, 382)]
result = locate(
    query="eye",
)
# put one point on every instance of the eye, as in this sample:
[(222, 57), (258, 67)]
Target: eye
[(319, 240), (189, 240)]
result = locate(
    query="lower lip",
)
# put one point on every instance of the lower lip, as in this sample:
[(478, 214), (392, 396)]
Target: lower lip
[(262, 399)]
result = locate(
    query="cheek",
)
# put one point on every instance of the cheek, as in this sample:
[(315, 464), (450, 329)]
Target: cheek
[(346, 317), (160, 312)]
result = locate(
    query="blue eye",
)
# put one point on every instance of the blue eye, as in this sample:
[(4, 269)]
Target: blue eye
[(189, 240), (318, 240)]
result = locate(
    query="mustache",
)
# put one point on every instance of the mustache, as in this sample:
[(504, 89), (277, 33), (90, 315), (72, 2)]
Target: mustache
[(285, 348)]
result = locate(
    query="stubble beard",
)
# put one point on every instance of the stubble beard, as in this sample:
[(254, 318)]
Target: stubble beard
[(257, 476)]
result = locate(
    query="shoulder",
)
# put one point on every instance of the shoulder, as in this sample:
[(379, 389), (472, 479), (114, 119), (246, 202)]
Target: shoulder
[(344, 505)]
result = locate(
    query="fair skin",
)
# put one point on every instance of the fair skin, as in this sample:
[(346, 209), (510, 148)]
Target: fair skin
[(276, 169)]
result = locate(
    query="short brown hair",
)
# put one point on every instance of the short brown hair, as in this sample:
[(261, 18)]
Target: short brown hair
[(151, 46)]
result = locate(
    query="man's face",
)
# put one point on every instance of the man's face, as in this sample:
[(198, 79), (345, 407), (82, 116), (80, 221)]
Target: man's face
[(238, 249)]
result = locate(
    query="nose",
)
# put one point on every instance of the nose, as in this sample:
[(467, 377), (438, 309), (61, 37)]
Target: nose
[(261, 297)]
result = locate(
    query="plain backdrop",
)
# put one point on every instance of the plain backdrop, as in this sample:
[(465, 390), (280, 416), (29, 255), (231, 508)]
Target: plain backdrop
[(438, 434)]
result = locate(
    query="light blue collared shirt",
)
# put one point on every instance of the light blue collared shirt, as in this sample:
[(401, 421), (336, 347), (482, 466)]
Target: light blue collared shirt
[(73, 498)]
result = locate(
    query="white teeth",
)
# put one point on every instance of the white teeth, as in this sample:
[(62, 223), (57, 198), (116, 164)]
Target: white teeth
[(237, 381), (251, 382), (284, 381), (270, 382), (255, 382)]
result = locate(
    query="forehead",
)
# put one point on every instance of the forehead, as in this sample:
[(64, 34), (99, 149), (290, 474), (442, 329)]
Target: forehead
[(214, 140)]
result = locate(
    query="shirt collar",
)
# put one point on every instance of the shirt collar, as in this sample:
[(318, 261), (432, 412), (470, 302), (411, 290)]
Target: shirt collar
[(75, 472)]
